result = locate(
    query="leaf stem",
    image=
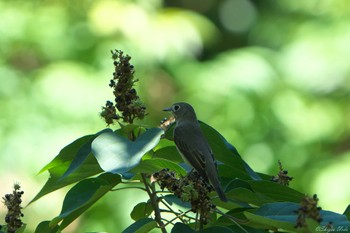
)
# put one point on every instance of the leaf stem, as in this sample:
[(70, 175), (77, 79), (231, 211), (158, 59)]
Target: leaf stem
[(117, 189), (151, 191)]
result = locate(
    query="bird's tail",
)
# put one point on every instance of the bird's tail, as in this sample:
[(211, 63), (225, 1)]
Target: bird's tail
[(220, 192), (214, 180)]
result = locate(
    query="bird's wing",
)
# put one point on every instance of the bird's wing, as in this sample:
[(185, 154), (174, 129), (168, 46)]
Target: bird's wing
[(196, 152)]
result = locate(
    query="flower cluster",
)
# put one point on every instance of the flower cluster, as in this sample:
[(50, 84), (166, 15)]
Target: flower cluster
[(282, 176), (308, 209), (127, 101), (13, 203), (191, 188)]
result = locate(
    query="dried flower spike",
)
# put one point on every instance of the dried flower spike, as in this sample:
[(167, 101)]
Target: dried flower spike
[(308, 209), (191, 188), (282, 176), (13, 203), (127, 102)]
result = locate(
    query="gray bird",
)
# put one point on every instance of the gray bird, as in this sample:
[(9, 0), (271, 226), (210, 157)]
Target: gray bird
[(193, 146)]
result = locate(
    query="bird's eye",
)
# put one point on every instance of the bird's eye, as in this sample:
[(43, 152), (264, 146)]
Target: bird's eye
[(176, 107)]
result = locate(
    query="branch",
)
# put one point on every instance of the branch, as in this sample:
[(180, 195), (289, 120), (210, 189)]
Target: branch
[(233, 219), (150, 189)]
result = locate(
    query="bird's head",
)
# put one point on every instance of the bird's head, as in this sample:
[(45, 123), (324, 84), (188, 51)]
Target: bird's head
[(182, 112)]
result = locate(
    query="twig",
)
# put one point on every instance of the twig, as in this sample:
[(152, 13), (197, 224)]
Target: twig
[(122, 188), (233, 219), (177, 217), (150, 189)]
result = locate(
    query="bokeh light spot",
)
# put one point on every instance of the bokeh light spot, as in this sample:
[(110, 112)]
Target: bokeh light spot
[(259, 156), (237, 15)]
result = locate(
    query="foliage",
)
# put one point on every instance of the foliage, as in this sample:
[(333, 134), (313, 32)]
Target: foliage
[(255, 202), (278, 88)]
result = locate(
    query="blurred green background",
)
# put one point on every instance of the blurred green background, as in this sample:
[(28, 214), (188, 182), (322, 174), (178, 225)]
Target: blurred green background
[(272, 76)]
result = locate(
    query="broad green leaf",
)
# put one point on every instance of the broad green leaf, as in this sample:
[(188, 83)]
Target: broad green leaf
[(21, 229), (83, 195), (247, 196), (260, 192), (217, 229), (141, 226), (82, 154), (281, 215), (347, 212), (182, 228), (223, 152), (169, 153), (44, 227), (88, 168), (117, 154), (69, 152), (275, 191), (141, 210), (151, 166), (229, 172), (237, 229), (74, 163), (226, 152)]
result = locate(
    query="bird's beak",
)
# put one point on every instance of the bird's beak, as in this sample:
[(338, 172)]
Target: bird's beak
[(167, 109)]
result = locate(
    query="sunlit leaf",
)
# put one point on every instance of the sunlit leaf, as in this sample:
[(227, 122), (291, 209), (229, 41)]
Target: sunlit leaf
[(141, 226), (83, 195), (82, 154), (69, 152), (117, 154), (74, 163), (88, 168)]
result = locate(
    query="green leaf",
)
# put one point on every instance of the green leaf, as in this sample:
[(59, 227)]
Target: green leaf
[(217, 229), (224, 153), (44, 227), (281, 215), (260, 192), (141, 226), (74, 163), (88, 168), (83, 195), (229, 172), (347, 212), (116, 154), (141, 210), (150, 166), (169, 153), (172, 199), (182, 228), (69, 152), (21, 229), (275, 191), (82, 154)]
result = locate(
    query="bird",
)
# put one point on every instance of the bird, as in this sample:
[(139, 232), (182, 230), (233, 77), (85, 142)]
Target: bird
[(193, 146)]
